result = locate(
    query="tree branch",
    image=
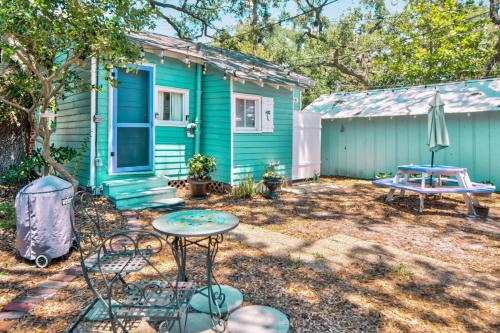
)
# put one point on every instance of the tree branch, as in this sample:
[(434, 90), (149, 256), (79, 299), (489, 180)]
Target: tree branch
[(344, 69), (494, 6), (185, 10), (495, 58), (61, 84), (24, 58), (14, 105)]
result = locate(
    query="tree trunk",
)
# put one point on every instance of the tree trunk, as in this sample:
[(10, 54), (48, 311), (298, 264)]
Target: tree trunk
[(14, 138), (495, 58), (255, 8), (494, 12), (58, 168)]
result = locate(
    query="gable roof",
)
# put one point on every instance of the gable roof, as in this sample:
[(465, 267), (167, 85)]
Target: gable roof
[(458, 97), (241, 65)]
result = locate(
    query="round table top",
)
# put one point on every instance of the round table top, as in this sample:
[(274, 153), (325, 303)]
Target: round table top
[(195, 223)]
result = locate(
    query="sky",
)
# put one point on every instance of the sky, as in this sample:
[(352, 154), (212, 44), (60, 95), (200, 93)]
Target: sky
[(333, 11)]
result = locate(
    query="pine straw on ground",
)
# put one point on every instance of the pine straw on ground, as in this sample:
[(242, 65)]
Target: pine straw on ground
[(18, 274), (356, 208), (359, 298)]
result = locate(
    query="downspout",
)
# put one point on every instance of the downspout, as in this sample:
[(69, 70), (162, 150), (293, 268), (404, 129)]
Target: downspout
[(93, 127), (197, 120), (231, 119)]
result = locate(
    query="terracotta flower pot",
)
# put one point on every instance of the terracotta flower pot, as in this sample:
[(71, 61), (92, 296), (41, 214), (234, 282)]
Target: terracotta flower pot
[(272, 184), (199, 188)]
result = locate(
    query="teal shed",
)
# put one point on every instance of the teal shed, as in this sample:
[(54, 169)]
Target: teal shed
[(180, 99), (364, 133)]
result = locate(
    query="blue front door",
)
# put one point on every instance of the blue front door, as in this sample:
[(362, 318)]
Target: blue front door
[(133, 119)]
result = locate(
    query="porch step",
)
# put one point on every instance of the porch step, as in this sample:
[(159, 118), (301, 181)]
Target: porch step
[(142, 193), (169, 204), (114, 187), (135, 197)]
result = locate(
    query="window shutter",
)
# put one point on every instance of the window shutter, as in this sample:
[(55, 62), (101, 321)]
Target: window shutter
[(267, 114)]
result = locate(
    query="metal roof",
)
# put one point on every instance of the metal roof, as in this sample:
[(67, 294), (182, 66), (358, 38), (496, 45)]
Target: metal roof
[(458, 97), (243, 66)]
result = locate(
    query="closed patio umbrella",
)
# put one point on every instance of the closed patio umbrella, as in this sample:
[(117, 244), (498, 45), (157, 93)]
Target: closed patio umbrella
[(437, 132)]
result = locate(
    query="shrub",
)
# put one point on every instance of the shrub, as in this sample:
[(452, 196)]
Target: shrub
[(7, 216), (200, 167), (402, 270), (271, 170), (246, 189), (19, 174), (383, 175), (316, 177)]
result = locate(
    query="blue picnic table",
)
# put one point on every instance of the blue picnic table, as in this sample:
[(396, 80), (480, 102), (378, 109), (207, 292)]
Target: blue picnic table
[(438, 179)]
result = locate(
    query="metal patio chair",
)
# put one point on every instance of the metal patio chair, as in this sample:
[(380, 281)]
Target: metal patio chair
[(120, 303), (88, 236)]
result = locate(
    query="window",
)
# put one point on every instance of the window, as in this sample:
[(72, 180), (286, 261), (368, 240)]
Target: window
[(247, 112), (173, 106)]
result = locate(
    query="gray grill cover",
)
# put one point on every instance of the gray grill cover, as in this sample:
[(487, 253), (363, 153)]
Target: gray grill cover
[(43, 212)]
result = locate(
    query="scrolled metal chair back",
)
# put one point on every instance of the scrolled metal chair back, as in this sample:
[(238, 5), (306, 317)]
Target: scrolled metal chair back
[(86, 223), (134, 248)]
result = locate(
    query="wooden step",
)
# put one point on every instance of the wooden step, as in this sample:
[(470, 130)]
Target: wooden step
[(169, 204), (136, 197), (128, 185)]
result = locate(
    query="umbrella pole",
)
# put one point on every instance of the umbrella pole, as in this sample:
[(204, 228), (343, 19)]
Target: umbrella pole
[(432, 165)]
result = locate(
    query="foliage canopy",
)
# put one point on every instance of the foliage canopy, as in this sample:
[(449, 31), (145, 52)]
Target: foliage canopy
[(46, 43)]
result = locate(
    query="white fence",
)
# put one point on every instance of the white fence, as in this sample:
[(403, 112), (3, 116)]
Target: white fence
[(306, 145)]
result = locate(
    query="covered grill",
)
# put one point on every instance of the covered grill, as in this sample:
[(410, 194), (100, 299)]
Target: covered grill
[(43, 212)]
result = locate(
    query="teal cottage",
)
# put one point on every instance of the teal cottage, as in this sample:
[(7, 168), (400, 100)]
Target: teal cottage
[(180, 99)]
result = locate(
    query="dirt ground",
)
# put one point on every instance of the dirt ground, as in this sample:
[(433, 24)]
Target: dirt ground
[(361, 298), (356, 208)]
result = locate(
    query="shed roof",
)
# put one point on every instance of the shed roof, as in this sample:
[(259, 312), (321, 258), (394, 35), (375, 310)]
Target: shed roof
[(458, 97), (243, 66)]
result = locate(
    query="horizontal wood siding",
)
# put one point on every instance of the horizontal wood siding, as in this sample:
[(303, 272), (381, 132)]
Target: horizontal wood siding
[(362, 147), (216, 123), (252, 152), (172, 147), (73, 127)]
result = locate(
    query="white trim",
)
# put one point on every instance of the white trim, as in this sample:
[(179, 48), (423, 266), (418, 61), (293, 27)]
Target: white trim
[(110, 125), (93, 106), (258, 111), (153, 127), (231, 92), (110, 128), (170, 53), (185, 93)]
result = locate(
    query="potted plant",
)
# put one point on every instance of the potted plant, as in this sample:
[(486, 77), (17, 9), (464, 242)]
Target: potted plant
[(272, 180), (200, 168)]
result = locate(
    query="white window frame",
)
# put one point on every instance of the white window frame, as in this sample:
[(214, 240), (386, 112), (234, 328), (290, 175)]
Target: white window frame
[(258, 111), (185, 115)]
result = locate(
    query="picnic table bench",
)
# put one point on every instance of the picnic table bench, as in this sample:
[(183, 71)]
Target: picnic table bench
[(415, 178)]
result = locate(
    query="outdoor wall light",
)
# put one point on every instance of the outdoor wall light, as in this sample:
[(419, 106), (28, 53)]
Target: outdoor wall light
[(190, 128), (162, 57), (143, 54)]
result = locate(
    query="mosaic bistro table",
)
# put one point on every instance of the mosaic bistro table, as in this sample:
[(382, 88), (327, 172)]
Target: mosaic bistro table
[(206, 229)]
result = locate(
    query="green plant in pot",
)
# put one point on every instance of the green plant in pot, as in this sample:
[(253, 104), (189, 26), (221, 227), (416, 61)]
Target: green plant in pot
[(272, 180), (200, 168)]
